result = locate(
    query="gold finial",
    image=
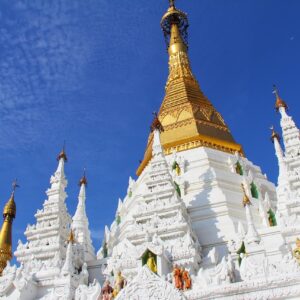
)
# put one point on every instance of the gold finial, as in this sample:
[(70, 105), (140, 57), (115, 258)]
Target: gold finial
[(176, 42), (246, 200), (279, 102), (174, 24), (83, 179), (274, 134), (62, 154), (71, 238), (10, 206)]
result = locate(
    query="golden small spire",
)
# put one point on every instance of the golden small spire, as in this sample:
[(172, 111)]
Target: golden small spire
[(63, 154), (176, 42), (10, 206), (274, 134), (71, 238), (246, 200), (279, 102), (174, 24), (83, 179), (9, 213)]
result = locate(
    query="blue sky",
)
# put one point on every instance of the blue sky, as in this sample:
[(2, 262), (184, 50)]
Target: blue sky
[(91, 73)]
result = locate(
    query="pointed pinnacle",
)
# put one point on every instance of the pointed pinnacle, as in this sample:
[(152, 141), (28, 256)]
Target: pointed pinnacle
[(83, 179), (15, 185), (62, 154)]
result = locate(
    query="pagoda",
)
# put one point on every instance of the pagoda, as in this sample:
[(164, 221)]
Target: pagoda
[(53, 260), (198, 203), (288, 189), (200, 221)]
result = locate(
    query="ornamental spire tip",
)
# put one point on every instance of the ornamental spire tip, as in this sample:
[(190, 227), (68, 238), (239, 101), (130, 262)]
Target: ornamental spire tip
[(83, 179), (62, 154), (10, 206), (279, 102), (15, 185), (156, 124), (174, 24)]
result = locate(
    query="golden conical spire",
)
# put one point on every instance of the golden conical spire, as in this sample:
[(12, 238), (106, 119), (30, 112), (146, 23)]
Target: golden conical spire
[(279, 102), (170, 24), (9, 213), (176, 42), (188, 118)]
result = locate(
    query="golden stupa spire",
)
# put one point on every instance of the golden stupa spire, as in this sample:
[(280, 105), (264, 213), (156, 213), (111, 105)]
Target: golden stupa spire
[(9, 213), (279, 102), (187, 117)]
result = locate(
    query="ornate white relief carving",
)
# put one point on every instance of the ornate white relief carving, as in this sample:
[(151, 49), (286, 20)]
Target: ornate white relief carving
[(254, 267), (91, 292), (148, 286), (220, 274)]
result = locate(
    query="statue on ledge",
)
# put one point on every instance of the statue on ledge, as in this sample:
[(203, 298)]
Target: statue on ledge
[(107, 291), (177, 277), (151, 263), (187, 281), (296, 251), (119, 284)]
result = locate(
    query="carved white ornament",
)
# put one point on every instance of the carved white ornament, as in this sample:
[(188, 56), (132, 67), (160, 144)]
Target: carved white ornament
[(148, 286)]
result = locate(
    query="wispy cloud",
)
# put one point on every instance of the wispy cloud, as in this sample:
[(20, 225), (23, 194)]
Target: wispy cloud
[(42, 52)]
